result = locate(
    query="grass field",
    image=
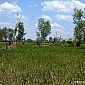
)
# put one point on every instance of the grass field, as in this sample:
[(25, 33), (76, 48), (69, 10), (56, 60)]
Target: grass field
[(44, 65)]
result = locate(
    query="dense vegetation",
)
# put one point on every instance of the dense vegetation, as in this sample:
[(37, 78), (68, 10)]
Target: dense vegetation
[(42, 65)]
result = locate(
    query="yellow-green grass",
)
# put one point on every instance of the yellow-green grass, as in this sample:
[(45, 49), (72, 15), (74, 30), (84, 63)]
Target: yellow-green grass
[(42, 65), (2, 45)]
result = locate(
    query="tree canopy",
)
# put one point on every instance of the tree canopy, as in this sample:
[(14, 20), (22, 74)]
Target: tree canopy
[(44, 28), (79, 30), (21, 30)]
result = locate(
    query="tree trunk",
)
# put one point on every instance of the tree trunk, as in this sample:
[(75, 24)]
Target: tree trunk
[(9, 43), (84, 37), (6, 44), (78, 43)]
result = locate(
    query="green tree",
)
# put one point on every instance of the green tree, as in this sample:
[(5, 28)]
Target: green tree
[(44, 28), (4, 35), (7, 35), (4, 32), (10, 36), (50, 40), (38, 35), (79, 22), (21, 30), (1, 35), (38, 40)]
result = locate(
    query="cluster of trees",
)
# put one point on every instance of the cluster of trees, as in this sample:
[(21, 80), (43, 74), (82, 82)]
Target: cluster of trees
[(9, 35), (6, 34), (44, 28)]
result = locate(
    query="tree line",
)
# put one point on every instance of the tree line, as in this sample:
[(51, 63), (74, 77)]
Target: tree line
[(44, 29)]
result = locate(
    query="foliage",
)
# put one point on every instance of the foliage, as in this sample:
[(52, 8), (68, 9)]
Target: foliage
[(50, 38), (10, 33), (79, 30), (38, 34), (71, 43), (21, 30), (1, 35), (6, 34), (30, 41), (77, 17), (44, 28)]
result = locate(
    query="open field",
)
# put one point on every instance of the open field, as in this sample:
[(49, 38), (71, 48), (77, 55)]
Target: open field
[(44, 65)]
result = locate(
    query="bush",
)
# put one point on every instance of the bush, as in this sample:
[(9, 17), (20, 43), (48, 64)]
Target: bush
[(71, 43)]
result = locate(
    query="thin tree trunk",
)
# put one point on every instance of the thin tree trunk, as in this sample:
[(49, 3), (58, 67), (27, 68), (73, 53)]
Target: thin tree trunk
[(84, 36), (6, 44)]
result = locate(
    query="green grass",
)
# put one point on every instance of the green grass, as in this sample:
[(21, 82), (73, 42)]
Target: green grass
[(44, 65), (2, 44)]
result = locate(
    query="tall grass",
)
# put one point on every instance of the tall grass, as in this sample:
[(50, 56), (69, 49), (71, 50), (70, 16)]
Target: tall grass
[(44, 65)]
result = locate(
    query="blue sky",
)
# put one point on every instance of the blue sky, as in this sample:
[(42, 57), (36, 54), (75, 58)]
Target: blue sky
[(58, 12)]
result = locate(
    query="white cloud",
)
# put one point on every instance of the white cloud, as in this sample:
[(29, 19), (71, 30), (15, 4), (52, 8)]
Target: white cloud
[(64, 17), (52, 5), (8, 7), (56, 27), (62, 6), (46, 17), (6, 24), (58, 30)]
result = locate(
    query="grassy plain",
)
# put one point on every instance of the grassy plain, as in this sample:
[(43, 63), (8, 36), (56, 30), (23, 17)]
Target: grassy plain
[(42, 65)]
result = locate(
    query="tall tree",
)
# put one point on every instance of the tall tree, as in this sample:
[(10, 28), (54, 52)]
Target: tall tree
[(21, 30), (10, 35), (7, 35), (79, 22), (44, 27), (4, 32), (38, 40), (1, 35)]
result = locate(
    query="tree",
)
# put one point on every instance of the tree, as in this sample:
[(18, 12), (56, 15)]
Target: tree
[(10, 35), (38, 40), (21, 30), (4, 32), (38, 35), (1, 35), (7, 35), (50, 41), (4, 36), (44, 28), (79, 22)]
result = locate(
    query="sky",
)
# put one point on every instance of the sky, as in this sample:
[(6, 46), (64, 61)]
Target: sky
[(58, 12)]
